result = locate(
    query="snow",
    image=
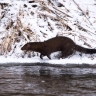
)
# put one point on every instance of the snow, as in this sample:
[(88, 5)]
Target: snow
[(45, 21)]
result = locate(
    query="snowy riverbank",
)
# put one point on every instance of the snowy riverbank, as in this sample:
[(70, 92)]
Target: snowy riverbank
[(72, 60), (22, 21)]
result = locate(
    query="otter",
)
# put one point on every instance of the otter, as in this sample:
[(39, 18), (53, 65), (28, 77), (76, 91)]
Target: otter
[(64, 44)]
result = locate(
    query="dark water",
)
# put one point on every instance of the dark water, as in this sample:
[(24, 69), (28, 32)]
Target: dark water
[(48, 80)]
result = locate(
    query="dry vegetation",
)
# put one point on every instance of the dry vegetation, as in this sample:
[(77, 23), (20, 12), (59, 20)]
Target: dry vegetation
[(17, 31)]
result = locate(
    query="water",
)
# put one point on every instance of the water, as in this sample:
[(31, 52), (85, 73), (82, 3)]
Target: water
[(48, 80)]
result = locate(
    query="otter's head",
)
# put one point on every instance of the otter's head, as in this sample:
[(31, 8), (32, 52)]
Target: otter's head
[(26, 47)]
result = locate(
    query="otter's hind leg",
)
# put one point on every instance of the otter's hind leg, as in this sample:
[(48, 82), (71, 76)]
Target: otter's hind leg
[(66, 53)]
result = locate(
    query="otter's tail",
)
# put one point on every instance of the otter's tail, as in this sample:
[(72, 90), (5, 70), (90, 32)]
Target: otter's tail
[(85, 50)]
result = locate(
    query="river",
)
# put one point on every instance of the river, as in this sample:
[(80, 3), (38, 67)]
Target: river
[(47, 80)]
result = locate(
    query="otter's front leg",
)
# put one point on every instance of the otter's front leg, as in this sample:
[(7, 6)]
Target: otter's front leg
[(41, 56), (48, 55)]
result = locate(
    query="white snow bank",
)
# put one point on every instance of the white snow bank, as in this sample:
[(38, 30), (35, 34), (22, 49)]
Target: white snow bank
[(71, 60), (43, 23)]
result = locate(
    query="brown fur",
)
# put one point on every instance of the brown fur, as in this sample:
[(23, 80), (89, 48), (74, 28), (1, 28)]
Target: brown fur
[(60, 43)]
